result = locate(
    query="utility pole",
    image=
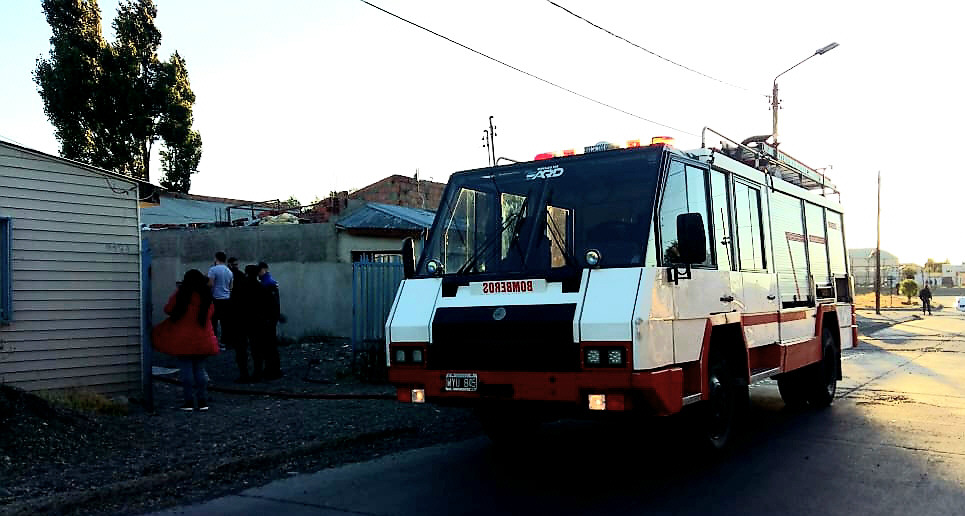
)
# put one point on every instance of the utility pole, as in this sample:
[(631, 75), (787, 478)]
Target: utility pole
[(486, 145), (492, 139), (775, 105), (878, 254)]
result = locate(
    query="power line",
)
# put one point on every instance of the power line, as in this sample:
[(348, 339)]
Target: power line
[(651, 52), (524, 72)]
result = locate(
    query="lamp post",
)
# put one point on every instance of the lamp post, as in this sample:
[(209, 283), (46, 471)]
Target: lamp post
[(775, 103)]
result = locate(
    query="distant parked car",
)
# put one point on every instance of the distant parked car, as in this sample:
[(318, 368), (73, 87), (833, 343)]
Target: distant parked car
[(960, 303)]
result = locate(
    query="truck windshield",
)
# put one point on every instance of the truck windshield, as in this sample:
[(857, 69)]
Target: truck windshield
[(534, 217)]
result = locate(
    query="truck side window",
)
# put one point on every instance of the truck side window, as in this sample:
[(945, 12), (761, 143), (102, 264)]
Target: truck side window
[(685, 192), (790, 250), (750, 236), (721, 216), (817, 243)]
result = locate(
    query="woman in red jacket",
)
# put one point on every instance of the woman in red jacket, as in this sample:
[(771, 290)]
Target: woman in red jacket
[(189, 336)]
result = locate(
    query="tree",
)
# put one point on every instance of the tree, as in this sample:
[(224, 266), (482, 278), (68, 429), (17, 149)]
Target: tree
[(291, 202), (932, 266), (110, 102), (909, 271), (909, 288)]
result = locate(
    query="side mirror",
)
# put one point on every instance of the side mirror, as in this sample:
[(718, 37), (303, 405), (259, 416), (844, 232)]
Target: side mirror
[(691, 238), (408, 258)]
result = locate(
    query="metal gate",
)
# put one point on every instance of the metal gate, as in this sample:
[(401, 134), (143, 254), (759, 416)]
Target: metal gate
[(374, 285)]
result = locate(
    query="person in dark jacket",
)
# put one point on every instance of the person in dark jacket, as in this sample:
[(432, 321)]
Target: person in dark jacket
[(925, 296), (237, 315), (269, 334), (188, 335)]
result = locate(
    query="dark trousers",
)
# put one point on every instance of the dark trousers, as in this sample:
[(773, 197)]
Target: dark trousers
[(240, 344), (926, 305), (220, 318), (264, 352)]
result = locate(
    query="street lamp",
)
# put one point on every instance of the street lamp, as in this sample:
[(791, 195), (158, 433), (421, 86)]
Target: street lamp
[(775, 103)]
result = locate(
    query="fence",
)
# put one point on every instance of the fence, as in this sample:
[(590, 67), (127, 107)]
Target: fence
[(374, 285)]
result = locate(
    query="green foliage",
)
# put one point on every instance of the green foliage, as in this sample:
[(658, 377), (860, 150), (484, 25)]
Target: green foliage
[(909, 288), (908, 272), (292, 202), (110, 102)]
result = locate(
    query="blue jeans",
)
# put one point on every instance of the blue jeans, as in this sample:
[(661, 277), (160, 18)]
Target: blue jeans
[(194, 378)]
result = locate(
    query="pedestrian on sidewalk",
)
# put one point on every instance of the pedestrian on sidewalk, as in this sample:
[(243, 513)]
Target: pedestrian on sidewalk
[(219, 279), (925, 296), (188, 335)]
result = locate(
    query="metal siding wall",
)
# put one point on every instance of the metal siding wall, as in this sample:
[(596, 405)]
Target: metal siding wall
[(374, 286), (76, 277)]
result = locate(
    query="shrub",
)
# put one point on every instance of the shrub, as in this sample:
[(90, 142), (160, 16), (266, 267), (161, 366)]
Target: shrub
[(909, 288)]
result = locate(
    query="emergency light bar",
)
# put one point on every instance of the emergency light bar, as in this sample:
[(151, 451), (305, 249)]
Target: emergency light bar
[(605, 146)]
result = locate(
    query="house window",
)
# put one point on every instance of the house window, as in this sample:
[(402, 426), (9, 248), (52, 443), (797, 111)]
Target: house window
[(6, 280)]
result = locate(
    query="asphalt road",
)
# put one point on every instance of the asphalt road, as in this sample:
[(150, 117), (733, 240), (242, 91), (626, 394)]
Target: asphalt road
[(892, 443)]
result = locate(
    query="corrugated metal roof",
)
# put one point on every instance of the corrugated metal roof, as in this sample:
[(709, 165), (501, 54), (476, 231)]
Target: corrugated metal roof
[(173, 210), (386, 216)]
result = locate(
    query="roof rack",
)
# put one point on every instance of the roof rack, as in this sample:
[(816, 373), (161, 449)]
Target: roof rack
[(755, 152)]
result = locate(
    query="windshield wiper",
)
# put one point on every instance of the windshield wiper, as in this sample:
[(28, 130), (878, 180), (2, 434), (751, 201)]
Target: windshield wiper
[(515, 220), (558, 238)]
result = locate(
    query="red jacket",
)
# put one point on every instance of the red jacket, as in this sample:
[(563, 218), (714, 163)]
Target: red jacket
[(185, 337)]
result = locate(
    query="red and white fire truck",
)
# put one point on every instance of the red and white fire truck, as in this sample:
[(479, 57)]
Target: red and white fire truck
[(642, 278)]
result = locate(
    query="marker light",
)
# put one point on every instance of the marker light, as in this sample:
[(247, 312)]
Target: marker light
[(569, 152), (592, 257), (545, 155), (661, 140), (633, 143), (418, 395), (593, 357), (596, 401)]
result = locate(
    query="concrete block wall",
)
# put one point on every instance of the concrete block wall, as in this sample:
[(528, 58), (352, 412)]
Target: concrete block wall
[(315, 286)]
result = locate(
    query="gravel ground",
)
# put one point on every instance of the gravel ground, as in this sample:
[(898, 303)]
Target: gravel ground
[(57, 461)]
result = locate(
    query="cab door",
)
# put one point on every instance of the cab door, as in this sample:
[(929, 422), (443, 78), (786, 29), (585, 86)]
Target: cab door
[(759, 286)]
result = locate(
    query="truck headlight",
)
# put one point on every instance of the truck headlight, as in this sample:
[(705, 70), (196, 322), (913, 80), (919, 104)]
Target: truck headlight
[(400, 355)]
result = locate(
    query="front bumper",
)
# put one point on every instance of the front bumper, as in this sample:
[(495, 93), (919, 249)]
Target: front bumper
[(658, 391)]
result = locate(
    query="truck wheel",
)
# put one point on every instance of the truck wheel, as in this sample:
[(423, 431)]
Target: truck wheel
[(721, 413), (824, 375), (793, 389), (507, 427)]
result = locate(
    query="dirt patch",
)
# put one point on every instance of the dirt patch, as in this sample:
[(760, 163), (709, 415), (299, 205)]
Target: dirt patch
[(56, 460), (885, 399)]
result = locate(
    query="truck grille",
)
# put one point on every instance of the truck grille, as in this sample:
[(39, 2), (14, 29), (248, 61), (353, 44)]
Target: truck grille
[(526, 338)]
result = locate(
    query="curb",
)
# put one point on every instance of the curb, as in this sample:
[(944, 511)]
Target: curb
[(288, 395), (73, 500)]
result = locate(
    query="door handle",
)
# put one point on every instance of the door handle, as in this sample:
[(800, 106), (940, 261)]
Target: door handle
[(726, 299), (771, 297)]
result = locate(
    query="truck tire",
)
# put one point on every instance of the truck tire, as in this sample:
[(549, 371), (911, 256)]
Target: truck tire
[(824, 375), (793, 389), (720, 416), (815, 384)]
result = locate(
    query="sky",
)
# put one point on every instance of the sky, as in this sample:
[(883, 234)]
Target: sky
[(305, 97)]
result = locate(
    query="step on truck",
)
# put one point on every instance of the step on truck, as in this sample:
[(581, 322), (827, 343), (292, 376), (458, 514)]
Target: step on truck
[(639, 278)]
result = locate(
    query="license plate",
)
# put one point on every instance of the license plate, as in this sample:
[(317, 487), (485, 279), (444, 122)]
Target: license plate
[(462, 382)]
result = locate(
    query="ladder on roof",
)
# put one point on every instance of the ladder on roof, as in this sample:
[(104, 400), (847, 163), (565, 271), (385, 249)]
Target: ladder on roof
[(754, 152)]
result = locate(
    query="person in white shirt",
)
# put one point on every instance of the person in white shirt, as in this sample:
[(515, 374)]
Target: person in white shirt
[(220, 279)]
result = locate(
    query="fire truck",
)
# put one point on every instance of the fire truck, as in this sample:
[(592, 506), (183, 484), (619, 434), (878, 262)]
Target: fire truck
[(635, 278)]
